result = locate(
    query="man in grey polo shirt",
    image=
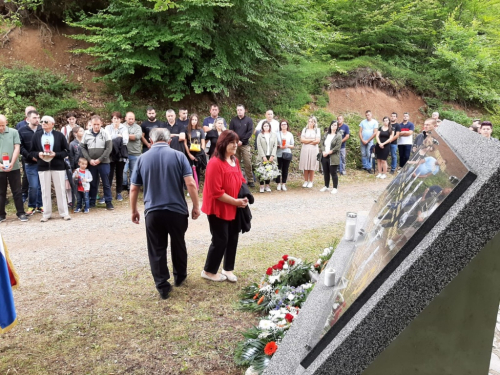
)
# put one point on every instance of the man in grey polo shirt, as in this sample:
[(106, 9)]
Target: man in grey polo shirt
[(10, 147), (162, 172)]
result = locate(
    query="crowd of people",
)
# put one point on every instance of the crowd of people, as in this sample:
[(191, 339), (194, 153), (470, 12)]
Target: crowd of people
[(78, 159)]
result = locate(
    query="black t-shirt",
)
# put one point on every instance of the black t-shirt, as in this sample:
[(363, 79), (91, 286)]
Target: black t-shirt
[(396, 128), (146, 127), (184, 123), (175, 143)]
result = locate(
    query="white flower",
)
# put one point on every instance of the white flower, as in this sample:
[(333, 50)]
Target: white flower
[(335, 305), (318, 261), (266, 288), (285, 266), (273, 313), (290, 297), (266, 324), (306, 286), (326, 252), (264, 334), (273, 279)]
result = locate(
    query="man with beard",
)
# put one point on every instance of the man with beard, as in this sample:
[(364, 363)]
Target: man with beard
[(177, 132), (146, 127), (208, 123)]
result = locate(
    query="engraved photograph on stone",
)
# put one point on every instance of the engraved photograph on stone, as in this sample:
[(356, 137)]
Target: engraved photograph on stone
[(412, 198)]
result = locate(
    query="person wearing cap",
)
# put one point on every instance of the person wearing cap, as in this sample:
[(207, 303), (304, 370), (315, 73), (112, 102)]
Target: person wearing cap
[(10, 147), (50, 148)]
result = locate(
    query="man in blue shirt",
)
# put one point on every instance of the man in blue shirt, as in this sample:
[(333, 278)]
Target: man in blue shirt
[(345, 129), (162, 171), (367, 131)]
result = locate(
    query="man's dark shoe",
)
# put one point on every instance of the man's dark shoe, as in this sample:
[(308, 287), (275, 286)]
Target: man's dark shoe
[(370, 171), (109, 206), (251, 184), (23, 217), (180, 282), (2, 218), (392, 172), (164, 293)]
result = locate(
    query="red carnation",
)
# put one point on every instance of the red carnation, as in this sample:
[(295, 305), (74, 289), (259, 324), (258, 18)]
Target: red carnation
[(291, 262), (270, 348), (269, 271), (280, 266), (289, 318), (285, 257)]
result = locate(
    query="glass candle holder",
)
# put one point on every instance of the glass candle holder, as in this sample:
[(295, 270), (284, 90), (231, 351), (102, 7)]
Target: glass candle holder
[(350, 226)]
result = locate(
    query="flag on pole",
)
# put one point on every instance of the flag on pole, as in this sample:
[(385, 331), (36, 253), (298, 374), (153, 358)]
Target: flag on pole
[(8, 281)]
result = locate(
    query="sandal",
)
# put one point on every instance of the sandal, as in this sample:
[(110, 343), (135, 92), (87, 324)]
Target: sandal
[(221, 277)]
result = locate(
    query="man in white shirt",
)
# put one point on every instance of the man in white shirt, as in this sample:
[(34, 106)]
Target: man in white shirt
[(367, 131), (275, 125)]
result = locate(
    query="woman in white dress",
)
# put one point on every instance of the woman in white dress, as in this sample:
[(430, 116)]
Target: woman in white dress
[(308, 162)]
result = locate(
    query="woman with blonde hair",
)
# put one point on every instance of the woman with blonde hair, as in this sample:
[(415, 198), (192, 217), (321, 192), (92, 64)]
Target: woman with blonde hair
[(310, 138)]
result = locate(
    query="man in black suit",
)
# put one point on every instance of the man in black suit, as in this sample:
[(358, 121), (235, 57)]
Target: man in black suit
[(50, 148)]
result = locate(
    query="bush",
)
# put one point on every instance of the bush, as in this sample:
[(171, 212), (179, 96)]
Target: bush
[(22, 86)]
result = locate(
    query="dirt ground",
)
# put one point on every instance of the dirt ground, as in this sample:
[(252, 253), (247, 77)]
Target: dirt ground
[(359, 99)]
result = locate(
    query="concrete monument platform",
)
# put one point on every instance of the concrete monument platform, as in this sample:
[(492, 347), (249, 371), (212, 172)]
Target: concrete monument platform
[(430, 302)]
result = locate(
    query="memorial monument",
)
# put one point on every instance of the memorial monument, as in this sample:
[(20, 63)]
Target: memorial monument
[(417, 290)]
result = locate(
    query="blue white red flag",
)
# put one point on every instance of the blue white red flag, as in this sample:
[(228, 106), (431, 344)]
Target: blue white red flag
[(8, 281)]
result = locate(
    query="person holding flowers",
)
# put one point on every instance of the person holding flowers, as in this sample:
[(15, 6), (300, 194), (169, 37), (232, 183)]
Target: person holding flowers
[(267, 143), (310, 137), (220, 200)]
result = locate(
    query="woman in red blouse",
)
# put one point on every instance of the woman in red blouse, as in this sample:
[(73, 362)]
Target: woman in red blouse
[(220, 200)]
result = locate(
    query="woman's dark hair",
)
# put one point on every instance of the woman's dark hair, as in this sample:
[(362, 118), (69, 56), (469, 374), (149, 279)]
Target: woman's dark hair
[(116, 114), (262, 128), (72, 135), (189, 127), (225, 138), (328, 130), (390, 125), (287, 125)]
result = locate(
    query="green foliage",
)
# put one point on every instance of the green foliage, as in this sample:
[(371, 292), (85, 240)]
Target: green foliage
[(21, 86), (189, 45), (447, 112)]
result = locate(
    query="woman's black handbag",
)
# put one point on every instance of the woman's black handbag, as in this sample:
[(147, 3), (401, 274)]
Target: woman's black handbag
[(286, 155)]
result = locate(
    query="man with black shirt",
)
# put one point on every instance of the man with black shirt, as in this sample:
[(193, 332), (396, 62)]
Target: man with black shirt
[(25, 184), (405, 140), (208, 123), (146, 127), (26, 134), (345, 129), (243, 126), (177, 132), (183, 118), (394, 144)]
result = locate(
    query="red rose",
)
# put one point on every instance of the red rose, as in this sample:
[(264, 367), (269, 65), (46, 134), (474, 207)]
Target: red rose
[(270, 348), (289, 318), (280, 266), (269, 271), (281, 262), (285, 257), (291, 262), (275, 267), (316, 265)]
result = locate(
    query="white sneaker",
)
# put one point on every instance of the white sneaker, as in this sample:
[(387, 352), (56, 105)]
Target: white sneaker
[(379, 175), (310, 184), (323, 189), (283, 187), (334, 191), (383, 176), (262, 189), (305, 184), (268, 189), (278, 187)]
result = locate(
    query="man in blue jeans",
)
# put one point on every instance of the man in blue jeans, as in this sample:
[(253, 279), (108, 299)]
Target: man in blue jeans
[(96, 147), (345, 129), (367, 131), (134, 147), (31, 164), (394, 144)]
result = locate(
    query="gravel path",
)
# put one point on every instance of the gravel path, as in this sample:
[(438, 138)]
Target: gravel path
[(106, 243)]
